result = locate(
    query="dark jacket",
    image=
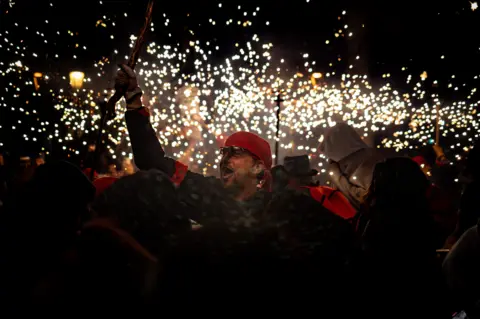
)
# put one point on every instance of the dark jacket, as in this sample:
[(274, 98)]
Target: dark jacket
[(401, 269), (207, 199)]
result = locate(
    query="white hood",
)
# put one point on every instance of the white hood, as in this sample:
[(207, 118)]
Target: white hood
[(341, 141)]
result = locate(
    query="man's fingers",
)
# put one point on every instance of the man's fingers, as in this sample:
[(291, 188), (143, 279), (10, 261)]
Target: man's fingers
[(128, 70), (122, 77)]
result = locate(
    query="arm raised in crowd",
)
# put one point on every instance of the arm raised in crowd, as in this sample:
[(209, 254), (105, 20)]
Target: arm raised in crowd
[(147, 150)]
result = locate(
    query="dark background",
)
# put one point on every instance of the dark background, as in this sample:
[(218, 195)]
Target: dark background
[(395, 34)]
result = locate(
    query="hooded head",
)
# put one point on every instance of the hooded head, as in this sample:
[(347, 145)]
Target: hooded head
[(246, 162), (340, 142)]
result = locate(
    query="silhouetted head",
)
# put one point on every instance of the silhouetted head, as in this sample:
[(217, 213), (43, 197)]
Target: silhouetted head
[(146, 205), (396, 182), (50, 207)]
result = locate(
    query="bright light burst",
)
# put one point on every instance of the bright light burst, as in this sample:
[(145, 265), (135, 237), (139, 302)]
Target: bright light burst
[(473, 6), (194, 111)]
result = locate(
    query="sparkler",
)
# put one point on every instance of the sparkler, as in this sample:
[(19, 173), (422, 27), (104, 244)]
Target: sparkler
[(109, 108)]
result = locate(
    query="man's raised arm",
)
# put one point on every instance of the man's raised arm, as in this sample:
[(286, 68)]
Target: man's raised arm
[(147, 151)]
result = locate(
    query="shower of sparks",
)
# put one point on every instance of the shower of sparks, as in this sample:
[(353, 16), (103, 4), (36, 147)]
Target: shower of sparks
[(193, 112)]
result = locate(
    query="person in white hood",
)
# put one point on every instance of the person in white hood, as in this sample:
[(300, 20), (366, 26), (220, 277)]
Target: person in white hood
[(351, 162)]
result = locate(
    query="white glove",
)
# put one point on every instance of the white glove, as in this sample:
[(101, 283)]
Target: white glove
[(126, 80)]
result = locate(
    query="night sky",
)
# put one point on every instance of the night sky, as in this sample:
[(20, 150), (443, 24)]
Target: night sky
[(395, 34)]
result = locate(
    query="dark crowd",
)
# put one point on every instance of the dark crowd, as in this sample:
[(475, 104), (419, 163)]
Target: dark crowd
[(390, 237)]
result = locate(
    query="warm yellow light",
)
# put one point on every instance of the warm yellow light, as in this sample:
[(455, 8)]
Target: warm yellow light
[(37, 75), (424, 75), (76, 79), (317, 75)]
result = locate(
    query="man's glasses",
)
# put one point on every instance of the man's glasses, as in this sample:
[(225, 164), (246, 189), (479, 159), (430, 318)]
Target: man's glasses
[(235, 151)]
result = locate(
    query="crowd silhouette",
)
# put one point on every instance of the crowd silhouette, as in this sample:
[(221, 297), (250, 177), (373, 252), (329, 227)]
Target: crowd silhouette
[(382, 241)]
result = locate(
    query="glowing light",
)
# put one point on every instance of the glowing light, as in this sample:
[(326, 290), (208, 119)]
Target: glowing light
[(76, 79), (193, 112)]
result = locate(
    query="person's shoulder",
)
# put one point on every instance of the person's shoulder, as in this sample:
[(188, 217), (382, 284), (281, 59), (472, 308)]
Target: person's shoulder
[(470, 238), (472, 234), (465, 248), (471, 190), (198, 180), (205, 188), (300, 202), (383, 154)]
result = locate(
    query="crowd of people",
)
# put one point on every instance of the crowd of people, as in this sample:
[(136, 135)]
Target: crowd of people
[(383, 242)]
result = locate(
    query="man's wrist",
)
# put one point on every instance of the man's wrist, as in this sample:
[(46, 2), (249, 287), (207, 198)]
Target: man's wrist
[(132, 93), (134, 98)]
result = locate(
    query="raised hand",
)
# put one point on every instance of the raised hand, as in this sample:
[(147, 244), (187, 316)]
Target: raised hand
[(126, 82)]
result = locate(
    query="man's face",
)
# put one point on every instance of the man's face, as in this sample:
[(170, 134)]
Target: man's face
[(236, 168)]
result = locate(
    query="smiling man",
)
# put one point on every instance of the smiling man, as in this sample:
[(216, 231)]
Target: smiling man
[(244, 187)]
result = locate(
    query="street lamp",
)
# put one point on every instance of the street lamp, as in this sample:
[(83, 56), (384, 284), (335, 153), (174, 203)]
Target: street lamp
[(76, 82), (315, 76), (76, 79), (36, 76)]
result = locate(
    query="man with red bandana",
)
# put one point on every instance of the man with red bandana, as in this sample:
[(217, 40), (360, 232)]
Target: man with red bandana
[(244, 187)]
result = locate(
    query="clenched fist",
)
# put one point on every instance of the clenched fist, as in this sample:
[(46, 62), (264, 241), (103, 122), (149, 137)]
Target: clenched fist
[(126, 81)]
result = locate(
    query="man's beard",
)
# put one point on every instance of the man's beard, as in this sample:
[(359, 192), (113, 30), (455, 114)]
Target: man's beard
[(234, 189), (231, 181)]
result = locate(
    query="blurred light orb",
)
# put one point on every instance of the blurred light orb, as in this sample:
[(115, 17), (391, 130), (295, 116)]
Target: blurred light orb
[(76, 79)]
